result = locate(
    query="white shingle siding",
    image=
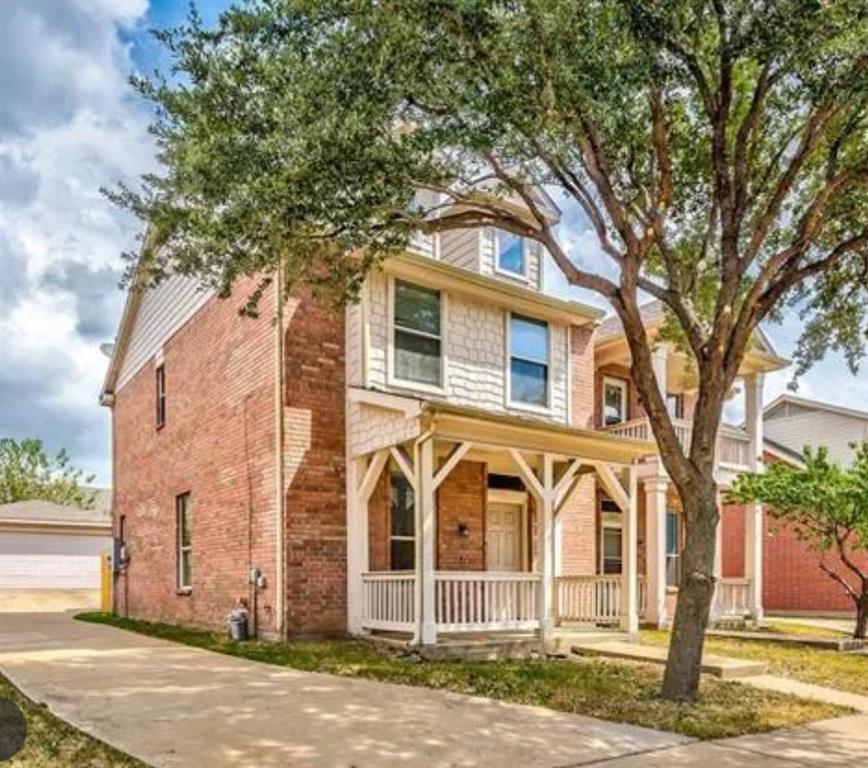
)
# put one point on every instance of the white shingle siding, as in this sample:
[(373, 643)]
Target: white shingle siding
[(372, 428), (355, 368), (461, 248), (163, 310), (475, 355), (487, 266)]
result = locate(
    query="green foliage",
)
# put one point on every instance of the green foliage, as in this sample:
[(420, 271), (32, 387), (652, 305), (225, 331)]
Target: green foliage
[(28, 472), (304, 131), (823, 502)]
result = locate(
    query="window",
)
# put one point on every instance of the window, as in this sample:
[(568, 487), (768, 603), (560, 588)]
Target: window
[(185, 542), (675, 405), (614, 401), (510, 252), (417, 334), (402, 532), (673, 539), (161, 396), (528, 360)]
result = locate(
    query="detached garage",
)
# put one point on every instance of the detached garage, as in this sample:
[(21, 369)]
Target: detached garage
[(51, 555)]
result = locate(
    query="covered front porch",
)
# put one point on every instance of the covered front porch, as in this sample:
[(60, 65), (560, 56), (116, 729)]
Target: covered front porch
[(457, 520)]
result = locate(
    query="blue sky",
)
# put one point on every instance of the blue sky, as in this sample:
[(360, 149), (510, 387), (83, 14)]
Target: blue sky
[(69, 125)]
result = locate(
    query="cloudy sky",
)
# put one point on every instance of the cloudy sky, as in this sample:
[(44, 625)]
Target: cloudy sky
[(69, 125)]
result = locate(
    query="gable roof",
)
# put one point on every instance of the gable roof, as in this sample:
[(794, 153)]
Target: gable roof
[(813, 405), (40, 512), (780, 451)]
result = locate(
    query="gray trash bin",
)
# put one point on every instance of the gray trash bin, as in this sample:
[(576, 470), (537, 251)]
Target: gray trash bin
[(238, 625)]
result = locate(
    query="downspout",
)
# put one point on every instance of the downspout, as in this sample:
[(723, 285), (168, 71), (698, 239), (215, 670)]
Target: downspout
[(280, 496)]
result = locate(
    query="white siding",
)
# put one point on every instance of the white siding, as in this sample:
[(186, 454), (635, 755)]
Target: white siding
[(355, 368), (815, 428), (532, 280), (163, 310), (475, 355), (461, 248)]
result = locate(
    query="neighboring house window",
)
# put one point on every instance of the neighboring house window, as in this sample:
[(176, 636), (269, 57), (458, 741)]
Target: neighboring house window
[(161, 396), (510, 252), (417, 334), (614, 401), (675, 405), (184, 523), (610, 545), (528, 360), (673, 537), (402, 536)]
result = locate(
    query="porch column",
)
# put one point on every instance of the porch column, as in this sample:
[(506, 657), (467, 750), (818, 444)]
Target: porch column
[(357, 545), (655, 550), (546, 548), (717, 571), (426, 532), (629, 573), (659, 359), (753, 513)]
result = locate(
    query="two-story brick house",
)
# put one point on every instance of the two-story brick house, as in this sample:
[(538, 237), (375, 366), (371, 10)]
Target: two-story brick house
[(431, 460)]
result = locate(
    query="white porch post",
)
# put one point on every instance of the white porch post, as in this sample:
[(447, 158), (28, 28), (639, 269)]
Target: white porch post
[(714, 613), (655, 550), (357, 545), (659, 359), (629, 573), (426, 531), (753, 513), (546, 549)]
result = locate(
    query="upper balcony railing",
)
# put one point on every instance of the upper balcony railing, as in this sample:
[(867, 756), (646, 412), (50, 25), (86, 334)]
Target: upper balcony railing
[(733, 445)]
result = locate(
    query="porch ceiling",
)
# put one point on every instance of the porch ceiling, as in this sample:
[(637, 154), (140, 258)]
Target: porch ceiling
[(482, 428)]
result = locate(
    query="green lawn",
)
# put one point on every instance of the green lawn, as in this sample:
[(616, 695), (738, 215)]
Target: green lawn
[(610, 690), (52, 743), (807, 630), (845, 671)]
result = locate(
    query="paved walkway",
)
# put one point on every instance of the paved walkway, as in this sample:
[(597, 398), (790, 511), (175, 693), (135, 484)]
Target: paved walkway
[(172, 705), (842, 625), (810, 691)]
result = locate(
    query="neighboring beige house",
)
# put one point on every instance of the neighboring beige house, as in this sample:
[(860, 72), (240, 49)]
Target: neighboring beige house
[(793, 422), (50, 554)]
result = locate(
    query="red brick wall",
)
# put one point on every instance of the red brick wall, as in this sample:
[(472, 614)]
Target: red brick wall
[(461, 498), (217, 444), (578, 519), (316, 470), (582, 377), (732, 535), (379, 524)]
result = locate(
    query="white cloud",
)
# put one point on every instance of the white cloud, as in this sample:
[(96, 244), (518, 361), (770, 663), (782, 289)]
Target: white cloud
[(71, 125)]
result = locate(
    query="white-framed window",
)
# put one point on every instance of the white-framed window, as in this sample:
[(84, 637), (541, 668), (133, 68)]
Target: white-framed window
[(402, 523), (610, 537), (184, 526), (675, 405), (160, 385), (417, 334), (528, 361), (510, 253), (614, 401), (673, 548)]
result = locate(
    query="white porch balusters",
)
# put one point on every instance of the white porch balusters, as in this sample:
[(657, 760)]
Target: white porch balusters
[(655, 548), (753, 514)]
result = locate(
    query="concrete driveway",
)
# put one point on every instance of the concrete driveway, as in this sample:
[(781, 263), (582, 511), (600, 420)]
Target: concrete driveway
[(171, 705)]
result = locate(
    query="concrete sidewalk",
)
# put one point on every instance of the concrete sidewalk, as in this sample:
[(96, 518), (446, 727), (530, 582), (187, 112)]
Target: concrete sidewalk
[(172, 705)]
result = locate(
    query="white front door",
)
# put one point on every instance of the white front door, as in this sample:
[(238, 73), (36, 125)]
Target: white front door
[(503, 540)]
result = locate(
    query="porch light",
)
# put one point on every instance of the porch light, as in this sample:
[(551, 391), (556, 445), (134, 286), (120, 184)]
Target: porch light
[(463, 530)]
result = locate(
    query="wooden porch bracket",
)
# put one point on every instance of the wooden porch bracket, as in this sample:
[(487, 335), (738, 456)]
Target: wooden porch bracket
[(458, 453), (613, 485), (528, 475), (565, 485), (406, 465), (371, 476)]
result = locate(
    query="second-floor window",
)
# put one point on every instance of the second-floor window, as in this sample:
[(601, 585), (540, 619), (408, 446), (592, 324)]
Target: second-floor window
[(402, 537), (161, 396), (510, 252), (417, 334), (614, 401), (528, 360)]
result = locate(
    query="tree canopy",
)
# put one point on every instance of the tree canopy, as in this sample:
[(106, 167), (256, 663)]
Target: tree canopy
[(827, 507), (28, 472)]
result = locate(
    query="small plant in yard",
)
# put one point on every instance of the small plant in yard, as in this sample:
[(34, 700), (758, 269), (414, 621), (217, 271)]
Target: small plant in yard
[(827, 507), (623, 692)]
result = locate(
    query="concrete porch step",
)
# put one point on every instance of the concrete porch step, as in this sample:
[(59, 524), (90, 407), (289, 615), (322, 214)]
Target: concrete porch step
[(719, 666), (564, 639)]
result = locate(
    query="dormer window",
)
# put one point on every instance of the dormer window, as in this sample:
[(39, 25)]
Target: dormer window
[(510, 253)]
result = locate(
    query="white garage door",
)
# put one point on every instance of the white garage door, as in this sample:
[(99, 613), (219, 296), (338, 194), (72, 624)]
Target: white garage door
[(50, 561)]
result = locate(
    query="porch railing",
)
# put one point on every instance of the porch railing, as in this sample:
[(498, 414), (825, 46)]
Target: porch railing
[(469, 601), (732, 598), (389, 600), (733, 445), (592, 599)]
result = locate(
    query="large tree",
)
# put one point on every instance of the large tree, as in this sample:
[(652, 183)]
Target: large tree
[(28, 472), (827, 508), (716, 148)]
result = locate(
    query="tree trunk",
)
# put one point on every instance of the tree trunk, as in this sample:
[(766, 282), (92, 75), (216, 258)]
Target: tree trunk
[(861, 616), (695, 591)]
